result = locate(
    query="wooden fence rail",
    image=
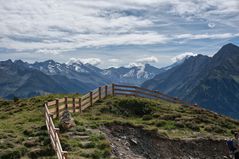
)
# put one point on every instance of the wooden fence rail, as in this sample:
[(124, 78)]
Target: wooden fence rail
[(54, 135), (54, 109)]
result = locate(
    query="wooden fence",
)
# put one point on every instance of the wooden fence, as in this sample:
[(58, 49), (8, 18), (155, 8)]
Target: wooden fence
[(54, 109), (54, 135), (142, 92)]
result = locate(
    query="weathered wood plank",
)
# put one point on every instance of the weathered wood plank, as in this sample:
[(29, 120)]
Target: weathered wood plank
[(85, 96), (61, 100), (125, 86), (51, 103), (85, 106), (85, 101)]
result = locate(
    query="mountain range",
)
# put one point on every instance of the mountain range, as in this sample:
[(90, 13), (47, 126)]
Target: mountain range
[(211, 82), (22, 79)]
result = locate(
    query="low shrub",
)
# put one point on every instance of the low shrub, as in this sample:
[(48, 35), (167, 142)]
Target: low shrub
[(214, 128), (147, 117), (179, 124), (170, 116), (129, 107), (88, 145), (14, 153), (192, 125), (160, 123), (103, 145)]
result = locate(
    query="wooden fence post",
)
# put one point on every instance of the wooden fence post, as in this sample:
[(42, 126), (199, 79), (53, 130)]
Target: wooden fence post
[(56, 132), (65, 155), (136, 92), (66, 103), (99, 93), (45, 104), (57, 107), (80, 105), (113, 89), (91, 99), (74, 104), (106, 91)]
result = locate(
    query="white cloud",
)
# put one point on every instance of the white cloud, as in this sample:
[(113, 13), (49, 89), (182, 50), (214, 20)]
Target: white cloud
[(134, 64), (70, 24), (182, 57), (53, 27), (206, 36), (211, 25), (49, 51), (114, 60), (92, 61), (150, 59), (143, 61)]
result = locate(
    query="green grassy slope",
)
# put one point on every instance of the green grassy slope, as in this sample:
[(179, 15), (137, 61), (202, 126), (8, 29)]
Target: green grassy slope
[(23, 133), (173, 120), (22, 129)]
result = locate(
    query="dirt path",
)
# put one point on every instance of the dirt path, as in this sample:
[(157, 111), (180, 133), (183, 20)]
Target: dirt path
[(134, 143)]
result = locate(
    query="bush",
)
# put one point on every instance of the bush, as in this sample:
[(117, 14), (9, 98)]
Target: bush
[(214, 128), (88, 145), (147, 117), (156, 115), (202, 118), (179, 124), (13, 153), (170, 116), (39, 152), (193, 126), (160, 123), (129, 107), (103, 145)]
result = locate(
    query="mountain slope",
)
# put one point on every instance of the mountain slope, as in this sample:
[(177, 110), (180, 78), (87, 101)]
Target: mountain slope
[(210, 82), (181, 78), (19, 80), (219, 90), (84, 73), (135, 75)]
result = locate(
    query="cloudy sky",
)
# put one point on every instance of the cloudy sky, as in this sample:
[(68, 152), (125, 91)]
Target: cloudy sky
[(112, 33)]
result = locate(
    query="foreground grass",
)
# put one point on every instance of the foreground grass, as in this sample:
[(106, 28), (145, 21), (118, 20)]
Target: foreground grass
[(171, 120), (22, 129), (23, 133)]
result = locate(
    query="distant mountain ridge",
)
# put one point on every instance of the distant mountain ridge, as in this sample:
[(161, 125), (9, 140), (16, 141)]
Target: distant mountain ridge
[(212, 82), (135, 75), (23, 79)]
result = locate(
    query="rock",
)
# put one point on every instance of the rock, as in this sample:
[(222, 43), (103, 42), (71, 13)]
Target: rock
[(134, 141), (66, 121), (123, 137)]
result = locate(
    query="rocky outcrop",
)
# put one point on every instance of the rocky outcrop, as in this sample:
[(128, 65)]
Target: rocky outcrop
[(130, 142), (66, 121)]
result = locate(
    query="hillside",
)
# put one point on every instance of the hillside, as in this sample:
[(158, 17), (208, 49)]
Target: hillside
[(22, 129), (211, 82), (120, 127)]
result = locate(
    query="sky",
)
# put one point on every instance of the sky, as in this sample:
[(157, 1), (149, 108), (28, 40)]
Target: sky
[(109, 33)]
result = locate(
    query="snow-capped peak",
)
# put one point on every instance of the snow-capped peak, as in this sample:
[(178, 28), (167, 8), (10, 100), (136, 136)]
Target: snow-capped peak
[(74, 61)]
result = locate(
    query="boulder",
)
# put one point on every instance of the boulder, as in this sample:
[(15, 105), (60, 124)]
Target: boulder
[(66, 120)]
